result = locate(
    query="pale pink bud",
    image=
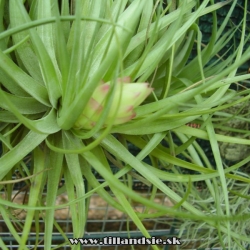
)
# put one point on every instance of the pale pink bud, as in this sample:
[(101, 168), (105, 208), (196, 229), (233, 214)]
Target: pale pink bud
[(127, 95)]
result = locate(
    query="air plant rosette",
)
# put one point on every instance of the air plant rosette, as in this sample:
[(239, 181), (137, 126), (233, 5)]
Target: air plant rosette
[(81, 81)]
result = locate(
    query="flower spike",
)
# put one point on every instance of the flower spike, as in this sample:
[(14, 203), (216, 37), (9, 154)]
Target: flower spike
[(127, 95)]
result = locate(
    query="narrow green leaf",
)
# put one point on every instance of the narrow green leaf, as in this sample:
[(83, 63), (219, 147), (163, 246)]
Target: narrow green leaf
[(25, 105), (55, 162), (25, 51), (35, 191), (23, 148), (51, 78), (19, 83)]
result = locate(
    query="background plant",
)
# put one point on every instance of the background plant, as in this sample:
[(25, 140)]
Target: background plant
[(52, 59)]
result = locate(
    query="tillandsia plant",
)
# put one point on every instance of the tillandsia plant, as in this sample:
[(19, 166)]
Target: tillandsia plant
[(81, 80)]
